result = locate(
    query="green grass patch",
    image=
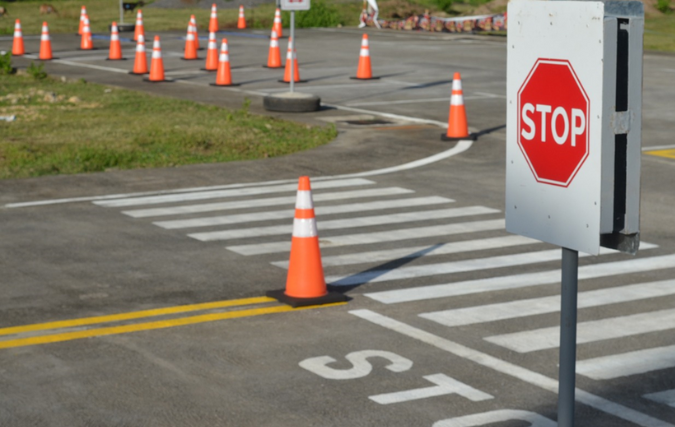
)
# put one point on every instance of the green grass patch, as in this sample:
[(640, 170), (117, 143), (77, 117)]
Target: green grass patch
[(660, 33), (75, 127)]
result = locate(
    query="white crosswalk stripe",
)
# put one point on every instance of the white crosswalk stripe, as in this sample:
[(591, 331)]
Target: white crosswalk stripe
[(626, 364), (346, 223), (288, 213)]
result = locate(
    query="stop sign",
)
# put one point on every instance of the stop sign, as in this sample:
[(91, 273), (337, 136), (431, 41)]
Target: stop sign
[(553, 117)]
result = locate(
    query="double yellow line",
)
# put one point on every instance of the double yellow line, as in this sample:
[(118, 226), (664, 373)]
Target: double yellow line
[(123, 329)]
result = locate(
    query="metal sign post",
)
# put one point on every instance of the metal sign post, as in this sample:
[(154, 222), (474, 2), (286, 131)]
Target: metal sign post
[(292, 6), (573, 147), (292, 48)]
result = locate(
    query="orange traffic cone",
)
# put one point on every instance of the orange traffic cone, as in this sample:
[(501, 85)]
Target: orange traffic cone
[(86, 42), (83, 13), (458, 128), (274, 57), (141, 60), (17, 45), (305, 283), (224, 74), (45, 44), (115, 52), (291, 55), (156, 63), (212, 54), (277, 23), (190, 51), (193, 22), (139, 30), (213, 22), (241, 22), (364, 71)]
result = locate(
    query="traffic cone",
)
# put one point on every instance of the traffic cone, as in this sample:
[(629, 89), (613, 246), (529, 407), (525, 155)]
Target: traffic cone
[(193, 22), (458, 128), (224, 74), (305, 282), (241, 22), (212, 54), (17, 45), (277, 23), (139, 30), (141, 60), (364, 71), (190, 52), (274, 57), (213, 22), (86, 42), (45, 44), (83, 13), (115, 52), (291, 55), (156, 63)]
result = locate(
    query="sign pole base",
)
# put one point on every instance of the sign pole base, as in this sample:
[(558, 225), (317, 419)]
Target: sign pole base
[(568, 337)]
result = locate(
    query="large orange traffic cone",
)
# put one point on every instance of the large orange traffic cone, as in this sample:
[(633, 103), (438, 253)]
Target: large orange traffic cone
[(213, 22), (277, 23), (45, 44), (241, 22), (115, 52), (212, 54), (17, 45), (291, 55), (274, 57), (141, 60), (305, 283), (224, 74), (458, 127), (86, 42), (190, 51), (193, 22), (364, 71), (83, 13), (156, 63), (139, 30)]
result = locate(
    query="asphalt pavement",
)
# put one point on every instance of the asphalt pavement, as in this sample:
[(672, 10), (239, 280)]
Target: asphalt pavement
[(136, 298)]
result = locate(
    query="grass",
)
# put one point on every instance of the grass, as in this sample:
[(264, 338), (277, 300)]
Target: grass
[(75, 127), (660, 33)]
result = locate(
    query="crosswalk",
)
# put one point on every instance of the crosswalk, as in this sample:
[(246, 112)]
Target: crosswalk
[(416, 244)]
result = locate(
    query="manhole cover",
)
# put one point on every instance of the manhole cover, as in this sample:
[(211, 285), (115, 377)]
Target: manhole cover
[(368, 122)]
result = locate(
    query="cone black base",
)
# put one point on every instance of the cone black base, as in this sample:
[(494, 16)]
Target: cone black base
[(138, 74), (147, 79), (471, 137), (329, 298), (297, 81), (120, 59), (370, 78), (272, 68), (204, 69), (190, 59), (231, 84), (93, 48)]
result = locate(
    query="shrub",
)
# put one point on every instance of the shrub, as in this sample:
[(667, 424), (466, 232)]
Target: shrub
[(6, 64), (37, 71), (320, 14), (663, 5)]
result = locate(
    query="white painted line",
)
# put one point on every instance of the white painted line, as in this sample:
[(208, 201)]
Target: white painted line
[(272, 201), (535, 306), (509, 369), (374, 83), (204, 195), (421, 251), (401, 101), (399, 273), (500, 415), (444, 385), (393, 117), (288, 213), (626, 364), (658, 147), (587, 332), (521, 280), (349, 223), (378, 237), (666, 397)]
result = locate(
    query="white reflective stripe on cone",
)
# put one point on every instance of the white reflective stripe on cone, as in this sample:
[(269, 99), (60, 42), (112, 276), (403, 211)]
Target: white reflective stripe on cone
[(456, 100), (212, 44), (304, 200), (274, 43), (304, 227), (364, 52), (456, 85), (224, 57)]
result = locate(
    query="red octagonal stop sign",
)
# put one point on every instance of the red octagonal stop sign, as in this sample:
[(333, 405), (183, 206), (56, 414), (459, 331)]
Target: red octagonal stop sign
[(553, 116)]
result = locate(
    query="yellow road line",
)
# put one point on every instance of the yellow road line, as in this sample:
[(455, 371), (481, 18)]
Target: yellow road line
[(133, 315), (161, 324), (662, 153)]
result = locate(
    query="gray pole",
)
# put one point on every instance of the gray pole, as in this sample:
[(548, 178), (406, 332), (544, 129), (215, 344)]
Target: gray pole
[(292, 47), (568, 337), (121, 13)]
